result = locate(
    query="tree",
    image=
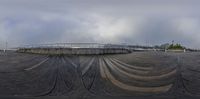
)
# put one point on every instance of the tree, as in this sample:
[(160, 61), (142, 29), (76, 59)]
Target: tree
[(176, 46)]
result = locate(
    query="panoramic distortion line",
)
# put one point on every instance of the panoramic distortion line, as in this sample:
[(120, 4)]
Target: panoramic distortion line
[(121, 85), (131, 66), (137, 77), (129, 69)]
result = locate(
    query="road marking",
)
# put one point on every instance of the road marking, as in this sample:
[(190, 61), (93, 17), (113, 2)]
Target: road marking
[(34, 66)]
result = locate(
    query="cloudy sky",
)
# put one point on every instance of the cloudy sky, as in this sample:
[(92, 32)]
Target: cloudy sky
[(101, 21)]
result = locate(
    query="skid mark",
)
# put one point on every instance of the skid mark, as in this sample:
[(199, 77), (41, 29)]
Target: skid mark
[(37, 65)]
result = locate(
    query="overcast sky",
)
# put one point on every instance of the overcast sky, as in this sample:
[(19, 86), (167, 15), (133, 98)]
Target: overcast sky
[(104, 21)]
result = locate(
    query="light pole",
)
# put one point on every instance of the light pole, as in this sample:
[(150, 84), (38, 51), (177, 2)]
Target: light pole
[(6, 46)]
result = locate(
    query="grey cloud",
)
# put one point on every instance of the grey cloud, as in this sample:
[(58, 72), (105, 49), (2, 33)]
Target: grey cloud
[(104, 21)]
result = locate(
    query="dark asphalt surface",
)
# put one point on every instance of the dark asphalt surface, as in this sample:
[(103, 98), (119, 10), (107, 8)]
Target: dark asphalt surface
[(139, 75)]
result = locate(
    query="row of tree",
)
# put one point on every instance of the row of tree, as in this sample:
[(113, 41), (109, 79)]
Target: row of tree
[(170, 46), (176, 46)]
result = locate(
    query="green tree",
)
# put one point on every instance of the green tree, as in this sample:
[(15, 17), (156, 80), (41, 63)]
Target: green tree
[(176, 46)]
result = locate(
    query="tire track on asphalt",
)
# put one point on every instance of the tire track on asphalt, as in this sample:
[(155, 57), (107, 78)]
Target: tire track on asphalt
[(140, 71), (121, 85), (87, 66), (55, 80), (92, 74), (194, 90), (123, 67), (180, 87), (138, 77), (131, 66), (68, 83), (103, 75), (37, 65), (62, 86), (71, 62)]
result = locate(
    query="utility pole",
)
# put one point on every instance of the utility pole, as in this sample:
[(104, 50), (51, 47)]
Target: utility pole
[(6, 45)]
